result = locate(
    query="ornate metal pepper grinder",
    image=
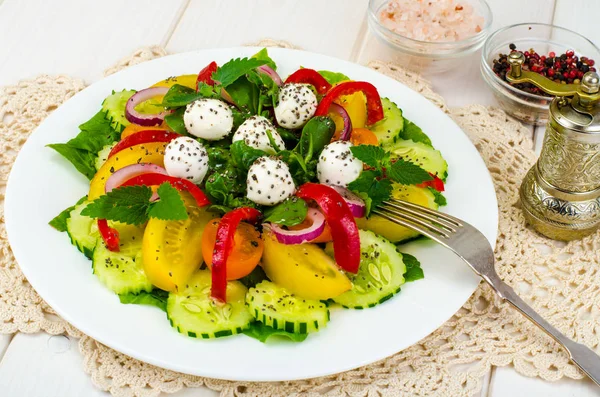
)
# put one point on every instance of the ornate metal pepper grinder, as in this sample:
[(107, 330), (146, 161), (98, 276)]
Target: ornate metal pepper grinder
[(560, 195)]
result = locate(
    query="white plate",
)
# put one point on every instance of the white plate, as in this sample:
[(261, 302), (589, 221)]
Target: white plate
[(42, 184)]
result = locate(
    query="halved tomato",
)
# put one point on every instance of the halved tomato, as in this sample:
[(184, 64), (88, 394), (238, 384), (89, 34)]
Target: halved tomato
[(245, 254), (172, 250)]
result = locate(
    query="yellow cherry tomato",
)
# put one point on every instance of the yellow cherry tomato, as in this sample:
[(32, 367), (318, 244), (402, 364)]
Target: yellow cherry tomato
[(187, 80), (145, 153), (304, 269), (172, 250)]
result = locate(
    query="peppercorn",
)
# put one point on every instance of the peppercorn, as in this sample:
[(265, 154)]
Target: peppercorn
[(564, 69)]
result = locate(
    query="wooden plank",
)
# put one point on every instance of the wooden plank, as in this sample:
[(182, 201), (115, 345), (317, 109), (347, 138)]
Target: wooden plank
[(580, 16), (77, 38), (464, 85), (45, 365), (329, 27), (507, 382)]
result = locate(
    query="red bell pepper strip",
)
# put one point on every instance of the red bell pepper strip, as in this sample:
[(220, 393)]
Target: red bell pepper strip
[(183, 185), (224, 244), (435, 183), (310, 76), (346, 241), (144, 136), (109, 235), (205, 75), (374, 106)]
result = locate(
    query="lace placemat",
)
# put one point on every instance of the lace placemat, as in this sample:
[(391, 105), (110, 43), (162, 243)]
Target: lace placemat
[(561, 281)]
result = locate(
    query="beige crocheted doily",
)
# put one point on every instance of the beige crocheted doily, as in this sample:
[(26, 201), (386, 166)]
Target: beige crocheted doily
[(561, 281)]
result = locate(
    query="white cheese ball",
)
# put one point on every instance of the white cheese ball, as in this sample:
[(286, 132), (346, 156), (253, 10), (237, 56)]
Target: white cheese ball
[(297, 104), (186, 158), (269, 181), (209, 119), (337, 165), (253, 132)]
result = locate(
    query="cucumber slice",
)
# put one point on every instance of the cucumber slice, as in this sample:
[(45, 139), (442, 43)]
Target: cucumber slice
[(424, 156), (114, 107), (103, 155), (278, 308), (390, 230), (388, 129), (122, 272), (81, 231), (194, 313), (380, 275)]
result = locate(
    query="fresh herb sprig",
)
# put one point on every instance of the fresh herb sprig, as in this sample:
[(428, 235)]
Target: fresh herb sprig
[(132, 205), (375, 185)]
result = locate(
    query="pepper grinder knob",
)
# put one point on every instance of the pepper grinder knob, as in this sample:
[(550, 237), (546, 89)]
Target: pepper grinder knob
[(590, 83), (516, 59)]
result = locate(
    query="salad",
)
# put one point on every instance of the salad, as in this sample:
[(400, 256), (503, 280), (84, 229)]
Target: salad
[(240, 202)]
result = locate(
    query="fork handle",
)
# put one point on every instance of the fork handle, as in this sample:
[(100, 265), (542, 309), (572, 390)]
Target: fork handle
[(583, 357)]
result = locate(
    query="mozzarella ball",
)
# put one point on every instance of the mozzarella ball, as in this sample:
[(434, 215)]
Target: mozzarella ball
[(209, 119), (337, 165), (297, 104), (253, 132), (186, 158), (269, 181)]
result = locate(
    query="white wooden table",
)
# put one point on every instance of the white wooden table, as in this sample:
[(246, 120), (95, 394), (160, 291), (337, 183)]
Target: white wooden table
[(82, 38)]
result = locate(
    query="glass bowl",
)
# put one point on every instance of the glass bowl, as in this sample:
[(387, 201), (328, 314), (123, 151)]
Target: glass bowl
[(543, 38), (429, 55)]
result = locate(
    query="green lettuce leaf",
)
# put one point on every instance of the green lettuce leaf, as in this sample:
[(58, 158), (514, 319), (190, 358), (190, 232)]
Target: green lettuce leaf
[(263, 55), (60, 221), (413, 132), (290, 212), (333, 77), (156, 297), (263, 332)]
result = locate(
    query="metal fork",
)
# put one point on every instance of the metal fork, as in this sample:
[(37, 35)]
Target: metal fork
[(473, 247)]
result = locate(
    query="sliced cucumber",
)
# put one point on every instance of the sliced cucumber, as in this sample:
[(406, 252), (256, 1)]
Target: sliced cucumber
[(278, 308), (423, 155), (194, 313), (380, 275), (81, 231), (103, 155), (122, 272), (114, 106), (390, 230), (388, 129)]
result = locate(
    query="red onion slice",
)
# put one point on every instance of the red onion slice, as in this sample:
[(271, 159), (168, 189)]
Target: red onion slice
[(271, 73), (301, 236), (126, 173), (147, 120), (356, 204), (345, 135)]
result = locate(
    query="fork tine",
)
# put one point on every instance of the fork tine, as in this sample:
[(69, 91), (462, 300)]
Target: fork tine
[(451, 227), (398, 214), (405, 223), (455, 221)]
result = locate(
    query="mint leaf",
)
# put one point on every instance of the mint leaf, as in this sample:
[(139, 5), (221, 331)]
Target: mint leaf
[(407, 173), (234, 69), (290, 212), (376, 189), (170, 207), (333, 77), (370, 155), (439, 199), (126, 204), (413, 132), (156, 297), (413, 268), (60, 221), (263, 332), (179, 95), (263, 55)]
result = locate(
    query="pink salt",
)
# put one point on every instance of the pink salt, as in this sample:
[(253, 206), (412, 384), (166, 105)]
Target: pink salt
[(431, 20)]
